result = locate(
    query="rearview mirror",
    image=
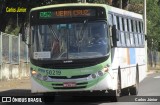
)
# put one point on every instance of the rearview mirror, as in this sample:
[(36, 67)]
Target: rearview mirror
[(115, 36), (22, 31), (25, 32)]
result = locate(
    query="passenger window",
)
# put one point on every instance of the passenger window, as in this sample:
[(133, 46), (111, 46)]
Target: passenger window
[(139, 34), (127, 34), (123, 42), (110, 20), (135, 33), (131, 32), (118, 23)]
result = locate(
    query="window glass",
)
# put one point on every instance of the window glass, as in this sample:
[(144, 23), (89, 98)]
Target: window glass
[(123, 42), (70, 41), (127, 34), (131, 32), (118, 23), (141, 24), (139, 34), (140, 28), (110, 16), (135, 33), (127, 25), (132, 26), (123, 24)]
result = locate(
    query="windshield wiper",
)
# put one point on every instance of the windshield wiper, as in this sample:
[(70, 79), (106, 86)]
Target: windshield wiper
[(53, 32), (83, 30)]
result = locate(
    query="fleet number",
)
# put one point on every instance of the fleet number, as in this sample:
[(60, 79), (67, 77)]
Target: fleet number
[(53, 72)]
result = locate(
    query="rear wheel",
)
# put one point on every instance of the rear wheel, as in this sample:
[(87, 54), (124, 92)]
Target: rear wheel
[(134, 89), (125, 92)]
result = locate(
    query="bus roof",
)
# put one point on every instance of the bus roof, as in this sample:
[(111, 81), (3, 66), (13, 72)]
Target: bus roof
[(125, 12), (107, 7), (67, 5)]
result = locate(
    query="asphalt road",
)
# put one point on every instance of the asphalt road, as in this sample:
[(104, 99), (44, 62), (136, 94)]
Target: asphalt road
[(149, 87)]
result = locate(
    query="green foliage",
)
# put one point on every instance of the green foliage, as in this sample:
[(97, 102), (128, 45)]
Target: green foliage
[(12, 31), (95, 1), (136, 1), (153, 23)]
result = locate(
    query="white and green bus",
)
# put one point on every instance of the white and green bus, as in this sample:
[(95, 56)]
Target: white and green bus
[(86, 48)]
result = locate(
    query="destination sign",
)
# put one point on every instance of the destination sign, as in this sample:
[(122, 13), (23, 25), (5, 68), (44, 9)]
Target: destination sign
[(67, 13)]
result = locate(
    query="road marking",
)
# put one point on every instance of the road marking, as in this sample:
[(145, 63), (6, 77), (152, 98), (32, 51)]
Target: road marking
[(157, 77)]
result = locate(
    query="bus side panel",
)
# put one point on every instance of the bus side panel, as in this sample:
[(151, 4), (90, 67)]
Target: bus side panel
[(127, 58), (140, 59)]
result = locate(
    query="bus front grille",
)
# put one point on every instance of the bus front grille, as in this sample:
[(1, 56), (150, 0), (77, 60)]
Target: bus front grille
[(79, 87), (73, 77)]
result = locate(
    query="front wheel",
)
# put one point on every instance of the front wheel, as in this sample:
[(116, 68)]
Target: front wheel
[(125, 92), (48, 97)]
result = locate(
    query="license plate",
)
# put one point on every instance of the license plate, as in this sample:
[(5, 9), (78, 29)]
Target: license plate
[(69, 84)]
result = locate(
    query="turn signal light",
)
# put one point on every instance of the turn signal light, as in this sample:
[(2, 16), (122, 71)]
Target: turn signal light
[(105, 69), (34, 72)]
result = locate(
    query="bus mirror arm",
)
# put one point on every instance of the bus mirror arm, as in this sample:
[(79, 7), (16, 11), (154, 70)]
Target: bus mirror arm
[(22, 32), (146, 37), (24, 37), (25, 40)]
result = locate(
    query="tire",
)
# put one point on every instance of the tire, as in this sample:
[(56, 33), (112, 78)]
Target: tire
[(134, 89), (115, 94), (125, 92), (48, 98)]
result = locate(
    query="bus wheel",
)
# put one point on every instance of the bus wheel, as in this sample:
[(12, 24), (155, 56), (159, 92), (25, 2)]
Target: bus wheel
[(115, 94), (134, 89), (48, 97), (125, 92)]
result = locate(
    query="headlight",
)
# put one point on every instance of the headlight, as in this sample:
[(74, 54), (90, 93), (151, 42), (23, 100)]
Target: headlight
[(39, 76), (45, 78), (100, 73), (97, 74), (93, 76), (33, 72), (105, 69)]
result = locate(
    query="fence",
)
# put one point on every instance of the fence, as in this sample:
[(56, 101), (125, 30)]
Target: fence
[(13, 57), (153, 59)]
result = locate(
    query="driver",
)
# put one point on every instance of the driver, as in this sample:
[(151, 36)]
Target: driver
[(98, 38), (55, 50)]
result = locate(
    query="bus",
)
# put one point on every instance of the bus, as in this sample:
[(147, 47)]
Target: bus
[(86, 48)]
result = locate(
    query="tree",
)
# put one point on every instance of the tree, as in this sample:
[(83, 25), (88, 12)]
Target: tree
[(117, 3), (153, 23)]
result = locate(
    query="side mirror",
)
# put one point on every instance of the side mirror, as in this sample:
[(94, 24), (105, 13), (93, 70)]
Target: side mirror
[(23, 37), (22, 31), (115, 36), (115, 32)]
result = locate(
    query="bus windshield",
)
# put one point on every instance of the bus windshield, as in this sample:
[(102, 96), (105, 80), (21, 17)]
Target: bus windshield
[(69, 41)]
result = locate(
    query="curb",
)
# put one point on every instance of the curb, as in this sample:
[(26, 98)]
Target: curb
[(152, 72)]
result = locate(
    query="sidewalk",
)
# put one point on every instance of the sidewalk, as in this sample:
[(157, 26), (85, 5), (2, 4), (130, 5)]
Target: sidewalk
[(15, 84), (153, 71)]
